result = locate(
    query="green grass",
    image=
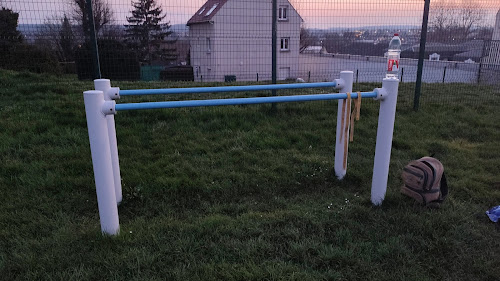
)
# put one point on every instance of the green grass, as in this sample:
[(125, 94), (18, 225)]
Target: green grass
[(237, 193)]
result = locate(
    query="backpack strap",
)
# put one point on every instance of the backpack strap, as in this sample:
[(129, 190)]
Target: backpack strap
[(443, 190)]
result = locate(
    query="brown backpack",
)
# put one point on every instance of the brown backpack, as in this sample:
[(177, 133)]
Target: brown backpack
[(424, 181)]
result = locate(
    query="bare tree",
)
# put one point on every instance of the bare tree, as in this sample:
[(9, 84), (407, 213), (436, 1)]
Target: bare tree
[(469, 16), (47, 36), (454, 22), (333, 42), (306, 39), (101, 10), (441, 19), (56, 36)]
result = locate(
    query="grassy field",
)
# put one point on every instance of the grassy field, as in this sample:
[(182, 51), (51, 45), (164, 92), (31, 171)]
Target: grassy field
[(237, 193)]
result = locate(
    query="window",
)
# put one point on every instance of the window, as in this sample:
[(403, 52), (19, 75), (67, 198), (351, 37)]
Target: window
[(202, 10), (209, 45), (283, 13), (212, 9), (284, 44)]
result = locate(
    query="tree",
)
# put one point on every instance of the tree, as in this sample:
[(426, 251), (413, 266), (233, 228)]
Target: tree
[(469, 16), (101, 10), (146, 33), (484, 33), (8, 27), (333, 43), (56, 35), (18, 55), (47, 36), (306, 39), (451, 22), (348, 36), (66, 40)]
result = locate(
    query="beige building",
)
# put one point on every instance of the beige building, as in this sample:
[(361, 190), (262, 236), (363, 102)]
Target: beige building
[(233, 38)]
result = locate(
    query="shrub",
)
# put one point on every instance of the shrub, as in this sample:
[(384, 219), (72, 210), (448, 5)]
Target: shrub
[(28, 57), (116, 60)]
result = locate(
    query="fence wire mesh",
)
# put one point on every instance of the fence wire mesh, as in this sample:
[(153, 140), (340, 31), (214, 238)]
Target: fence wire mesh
[(231, 40)]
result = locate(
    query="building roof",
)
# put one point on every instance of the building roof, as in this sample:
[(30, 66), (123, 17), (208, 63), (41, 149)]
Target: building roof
[(207, 11), (436, 47), (472, 54)]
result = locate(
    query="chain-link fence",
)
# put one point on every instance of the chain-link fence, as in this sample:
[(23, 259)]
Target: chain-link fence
[(228, 40)]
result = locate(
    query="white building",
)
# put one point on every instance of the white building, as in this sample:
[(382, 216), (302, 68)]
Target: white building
[(233, 37), (493, 56), (496, 29)]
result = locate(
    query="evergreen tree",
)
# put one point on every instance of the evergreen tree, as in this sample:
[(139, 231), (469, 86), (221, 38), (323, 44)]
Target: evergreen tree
[(8, 27), (146, 33), (66, 40)]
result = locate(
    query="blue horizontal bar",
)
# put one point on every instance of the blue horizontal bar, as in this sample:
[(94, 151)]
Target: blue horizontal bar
[(238, 101), (226, 89)]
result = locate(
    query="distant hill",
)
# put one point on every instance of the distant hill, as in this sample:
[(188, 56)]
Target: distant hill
[(180, 28), (375, 27), (30, 30)]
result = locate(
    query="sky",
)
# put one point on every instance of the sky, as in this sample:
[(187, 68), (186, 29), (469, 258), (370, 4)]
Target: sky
[(316, 13)]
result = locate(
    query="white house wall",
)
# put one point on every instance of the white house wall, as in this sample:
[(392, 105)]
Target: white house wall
[(493, 57), (496, 28), (241, 42), (202, 60)]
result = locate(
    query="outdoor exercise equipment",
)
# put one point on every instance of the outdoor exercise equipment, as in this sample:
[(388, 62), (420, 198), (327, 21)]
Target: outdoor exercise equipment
[(100, 109)]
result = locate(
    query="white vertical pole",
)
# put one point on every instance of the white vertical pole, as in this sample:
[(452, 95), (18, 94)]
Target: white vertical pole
[(387, 114), (347, 78), (101, 160), (104, 85)]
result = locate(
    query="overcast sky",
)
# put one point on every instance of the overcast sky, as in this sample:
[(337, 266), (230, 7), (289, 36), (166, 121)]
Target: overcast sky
[(316, 13)]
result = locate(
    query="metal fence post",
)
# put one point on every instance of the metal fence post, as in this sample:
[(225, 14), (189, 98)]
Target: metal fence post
[(274, 42), (479, 73), (423, 38), (93, 41), (444, 73), (385, 129)]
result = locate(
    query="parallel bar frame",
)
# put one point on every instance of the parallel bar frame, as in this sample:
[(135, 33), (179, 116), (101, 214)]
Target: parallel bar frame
[(98, 107)]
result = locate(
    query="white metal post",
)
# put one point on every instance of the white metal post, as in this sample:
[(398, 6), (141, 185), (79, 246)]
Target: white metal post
[(388, 96), (104, 85), (101, 159), (347, 78)]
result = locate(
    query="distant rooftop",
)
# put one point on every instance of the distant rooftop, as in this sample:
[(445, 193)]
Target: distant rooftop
[(207, 11), (436, 47)]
